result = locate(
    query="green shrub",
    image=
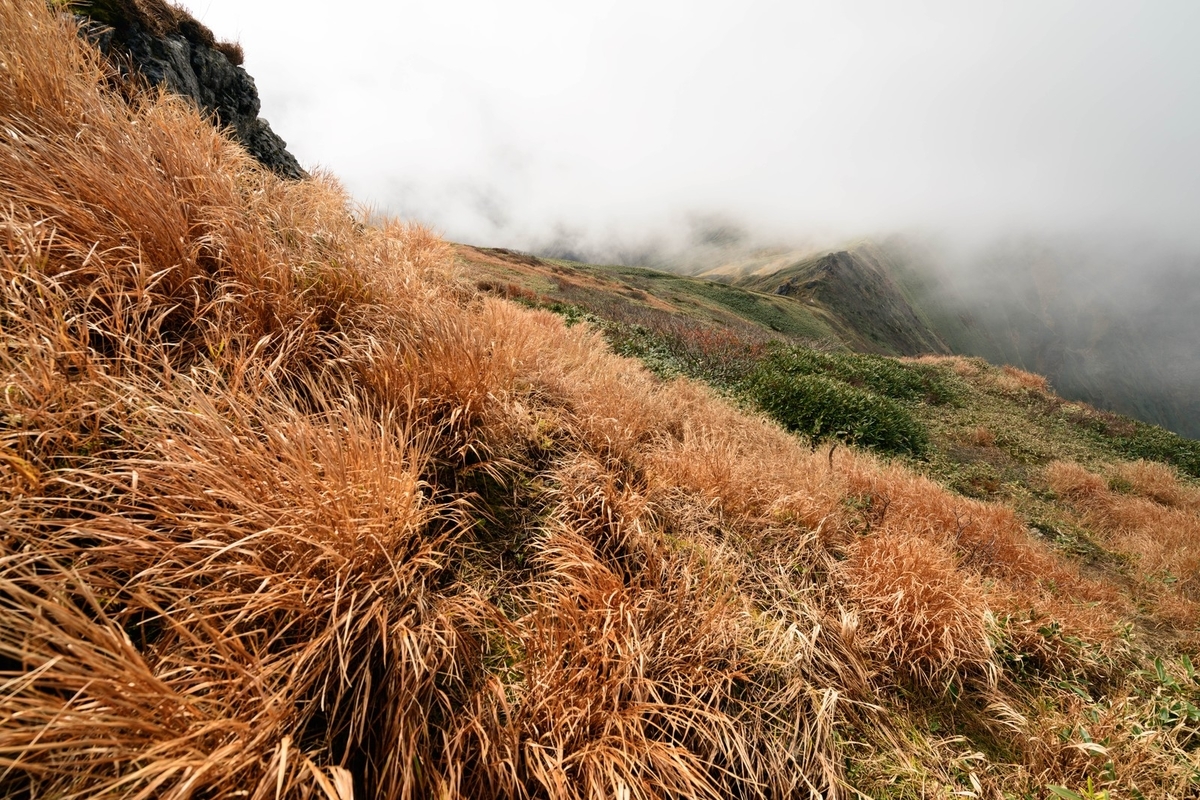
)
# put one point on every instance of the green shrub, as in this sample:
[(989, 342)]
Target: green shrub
[(854, 398), (823, 408), (879, 374), (1158, 444)]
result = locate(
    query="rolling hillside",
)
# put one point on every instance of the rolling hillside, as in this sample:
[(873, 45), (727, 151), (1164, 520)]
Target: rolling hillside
[(836, 299), (632, 293)]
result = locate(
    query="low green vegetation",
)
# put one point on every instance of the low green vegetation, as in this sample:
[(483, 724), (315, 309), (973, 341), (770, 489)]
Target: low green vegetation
[(973, 427), (881, 375), (827, 408), (864, 400), (1159, 444)]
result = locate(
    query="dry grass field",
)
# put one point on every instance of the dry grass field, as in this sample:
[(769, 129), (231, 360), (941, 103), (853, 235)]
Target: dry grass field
[(289, 509)]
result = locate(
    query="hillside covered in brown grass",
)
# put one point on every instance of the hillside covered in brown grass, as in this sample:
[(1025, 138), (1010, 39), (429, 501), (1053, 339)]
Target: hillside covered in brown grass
[(288, 508)]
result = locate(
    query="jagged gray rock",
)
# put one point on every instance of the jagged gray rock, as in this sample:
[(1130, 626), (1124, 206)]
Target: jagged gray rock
[(187, 62)]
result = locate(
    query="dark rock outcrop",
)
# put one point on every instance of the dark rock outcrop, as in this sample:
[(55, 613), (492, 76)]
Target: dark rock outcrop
[(171, 49)]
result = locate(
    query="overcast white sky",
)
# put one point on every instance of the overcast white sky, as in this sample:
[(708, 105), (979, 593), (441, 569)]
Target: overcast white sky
[(508, 123)]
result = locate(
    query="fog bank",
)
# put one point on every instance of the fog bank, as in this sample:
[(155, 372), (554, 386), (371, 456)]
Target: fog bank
[(611, 124)]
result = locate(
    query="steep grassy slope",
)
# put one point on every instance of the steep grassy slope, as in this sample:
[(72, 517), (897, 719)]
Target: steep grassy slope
[(874, 312), (838, 298), (288, 509)]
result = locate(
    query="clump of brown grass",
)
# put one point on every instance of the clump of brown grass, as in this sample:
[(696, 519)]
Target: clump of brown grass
[(1158, 482), (962, 366), (283, 606), (1157, 525), (1073, 480), (917, 608), (1024, 380), (982, 436)]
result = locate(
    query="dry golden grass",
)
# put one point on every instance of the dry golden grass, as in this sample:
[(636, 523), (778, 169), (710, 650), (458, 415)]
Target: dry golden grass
[(1157, 524), (1158, 482), (286, 510), (962, 365), (917, 607), (1026, 380), (982, 437), (158, 18), (1073, 480), (1008, 379)]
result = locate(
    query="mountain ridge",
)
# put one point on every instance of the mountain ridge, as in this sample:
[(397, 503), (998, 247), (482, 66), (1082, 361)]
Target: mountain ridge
[(1030, 315)]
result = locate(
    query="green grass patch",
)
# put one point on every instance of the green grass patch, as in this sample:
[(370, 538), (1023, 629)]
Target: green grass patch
[(879, 374), (719, 301), (1159, 444), (825, 408)]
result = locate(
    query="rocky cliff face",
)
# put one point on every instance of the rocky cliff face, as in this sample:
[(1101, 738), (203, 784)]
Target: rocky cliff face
[(171, 49)]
